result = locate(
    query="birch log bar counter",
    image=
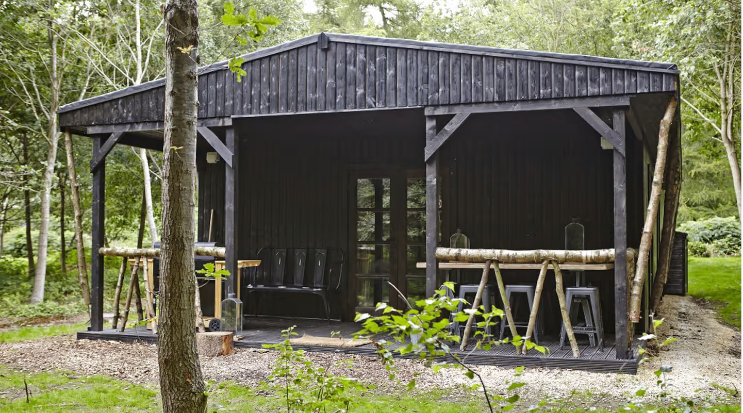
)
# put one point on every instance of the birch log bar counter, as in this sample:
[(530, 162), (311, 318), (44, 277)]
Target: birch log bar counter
[(381, 149)]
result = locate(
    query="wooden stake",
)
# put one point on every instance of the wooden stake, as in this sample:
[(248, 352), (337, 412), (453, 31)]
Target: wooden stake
[(197, 302), (652, 213), (475, 305), (133, 284), (117, 293), (563, 310), (211, 221), (506, 304), (535, 305), (148, 293)]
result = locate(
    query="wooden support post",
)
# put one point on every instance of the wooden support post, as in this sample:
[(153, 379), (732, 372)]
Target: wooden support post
[(535, 305), (621, 315), (475, 305), (506, 304), (560, 289), (98, 235), (232, 210), (432, 210)]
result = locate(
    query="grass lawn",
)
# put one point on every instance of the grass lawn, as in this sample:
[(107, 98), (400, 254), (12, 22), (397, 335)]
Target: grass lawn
[(63, 392), (33, 332), (717, 280)]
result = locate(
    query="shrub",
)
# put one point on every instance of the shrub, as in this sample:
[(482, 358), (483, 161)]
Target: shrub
[(714, 237)]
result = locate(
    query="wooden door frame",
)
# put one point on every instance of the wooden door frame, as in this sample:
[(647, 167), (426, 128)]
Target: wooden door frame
[(398, 233)]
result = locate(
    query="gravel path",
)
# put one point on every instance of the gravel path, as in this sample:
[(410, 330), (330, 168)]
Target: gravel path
[(706, 352)]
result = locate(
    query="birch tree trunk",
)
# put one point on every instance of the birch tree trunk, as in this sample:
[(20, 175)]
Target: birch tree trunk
[(652, 212), (62, 243), (3, 220), (82, 267), (148, 196), (37, 295), (27, 210), (181, 382)]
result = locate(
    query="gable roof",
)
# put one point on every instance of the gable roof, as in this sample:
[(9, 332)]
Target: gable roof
[(338, 72)]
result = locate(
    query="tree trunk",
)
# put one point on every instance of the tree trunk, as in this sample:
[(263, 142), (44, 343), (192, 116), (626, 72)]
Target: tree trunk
[(82, 267), (148, 196), (181, 382), (670, 211), (217, 252), (27, 210), (37, 295), (506, 303), (62, 244), (133, 286), (652, 213), (3, 219)]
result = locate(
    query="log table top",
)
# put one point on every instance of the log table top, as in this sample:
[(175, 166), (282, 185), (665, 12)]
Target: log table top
[(452, 265)]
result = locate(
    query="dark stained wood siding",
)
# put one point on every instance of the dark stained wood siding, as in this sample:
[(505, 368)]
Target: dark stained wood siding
[(352, 76), (515, 181)]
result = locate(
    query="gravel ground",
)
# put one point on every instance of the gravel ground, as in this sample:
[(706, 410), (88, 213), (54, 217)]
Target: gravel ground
[(706, 352)]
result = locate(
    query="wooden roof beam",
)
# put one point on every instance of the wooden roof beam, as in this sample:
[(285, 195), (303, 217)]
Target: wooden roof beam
[(602, 128), (444, 134), (217, 144), (95, 163), (530, 105)]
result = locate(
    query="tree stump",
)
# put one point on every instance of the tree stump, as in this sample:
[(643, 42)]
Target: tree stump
[(215, 343)]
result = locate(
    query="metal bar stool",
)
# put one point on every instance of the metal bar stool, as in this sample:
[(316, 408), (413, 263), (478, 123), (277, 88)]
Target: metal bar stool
[(529, 290), (590, 301), (487, 303)]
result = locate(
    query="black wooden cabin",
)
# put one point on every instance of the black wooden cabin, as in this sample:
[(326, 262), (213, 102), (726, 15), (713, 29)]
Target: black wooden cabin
[(345, 142)]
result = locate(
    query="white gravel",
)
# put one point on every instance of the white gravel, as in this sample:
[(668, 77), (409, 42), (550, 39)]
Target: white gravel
[(706, 353)]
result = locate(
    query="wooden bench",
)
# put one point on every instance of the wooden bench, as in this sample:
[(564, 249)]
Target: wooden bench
[(285, 270)]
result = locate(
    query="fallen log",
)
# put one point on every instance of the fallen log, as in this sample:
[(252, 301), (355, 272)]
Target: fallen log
[(527, 256), (652, 212), (217, 252)]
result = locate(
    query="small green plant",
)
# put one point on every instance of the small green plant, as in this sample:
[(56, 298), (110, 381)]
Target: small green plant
[(307, 387), (210, 271), (425, 331)]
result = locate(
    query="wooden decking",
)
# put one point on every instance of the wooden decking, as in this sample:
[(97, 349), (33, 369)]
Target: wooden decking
[(267, 330)]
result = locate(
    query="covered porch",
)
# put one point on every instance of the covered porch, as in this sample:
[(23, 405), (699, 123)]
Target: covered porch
[(376, 151)]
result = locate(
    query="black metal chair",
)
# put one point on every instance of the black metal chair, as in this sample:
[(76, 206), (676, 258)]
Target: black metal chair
[(319, 284)]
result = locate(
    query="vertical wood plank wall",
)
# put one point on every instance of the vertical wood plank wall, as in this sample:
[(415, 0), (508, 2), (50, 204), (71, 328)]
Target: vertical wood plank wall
[(516, 181)]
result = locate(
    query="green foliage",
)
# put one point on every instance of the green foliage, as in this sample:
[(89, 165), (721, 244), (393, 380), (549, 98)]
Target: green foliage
[(252, 29), (426, 332), (307, 387), (209, 271), (717, 280), (715, 237)]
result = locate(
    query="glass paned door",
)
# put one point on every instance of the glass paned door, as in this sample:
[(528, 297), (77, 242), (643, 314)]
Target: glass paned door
[(389, 238)]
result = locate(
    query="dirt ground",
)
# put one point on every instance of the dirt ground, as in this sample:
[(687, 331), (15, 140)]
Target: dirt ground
[(705, 358)]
